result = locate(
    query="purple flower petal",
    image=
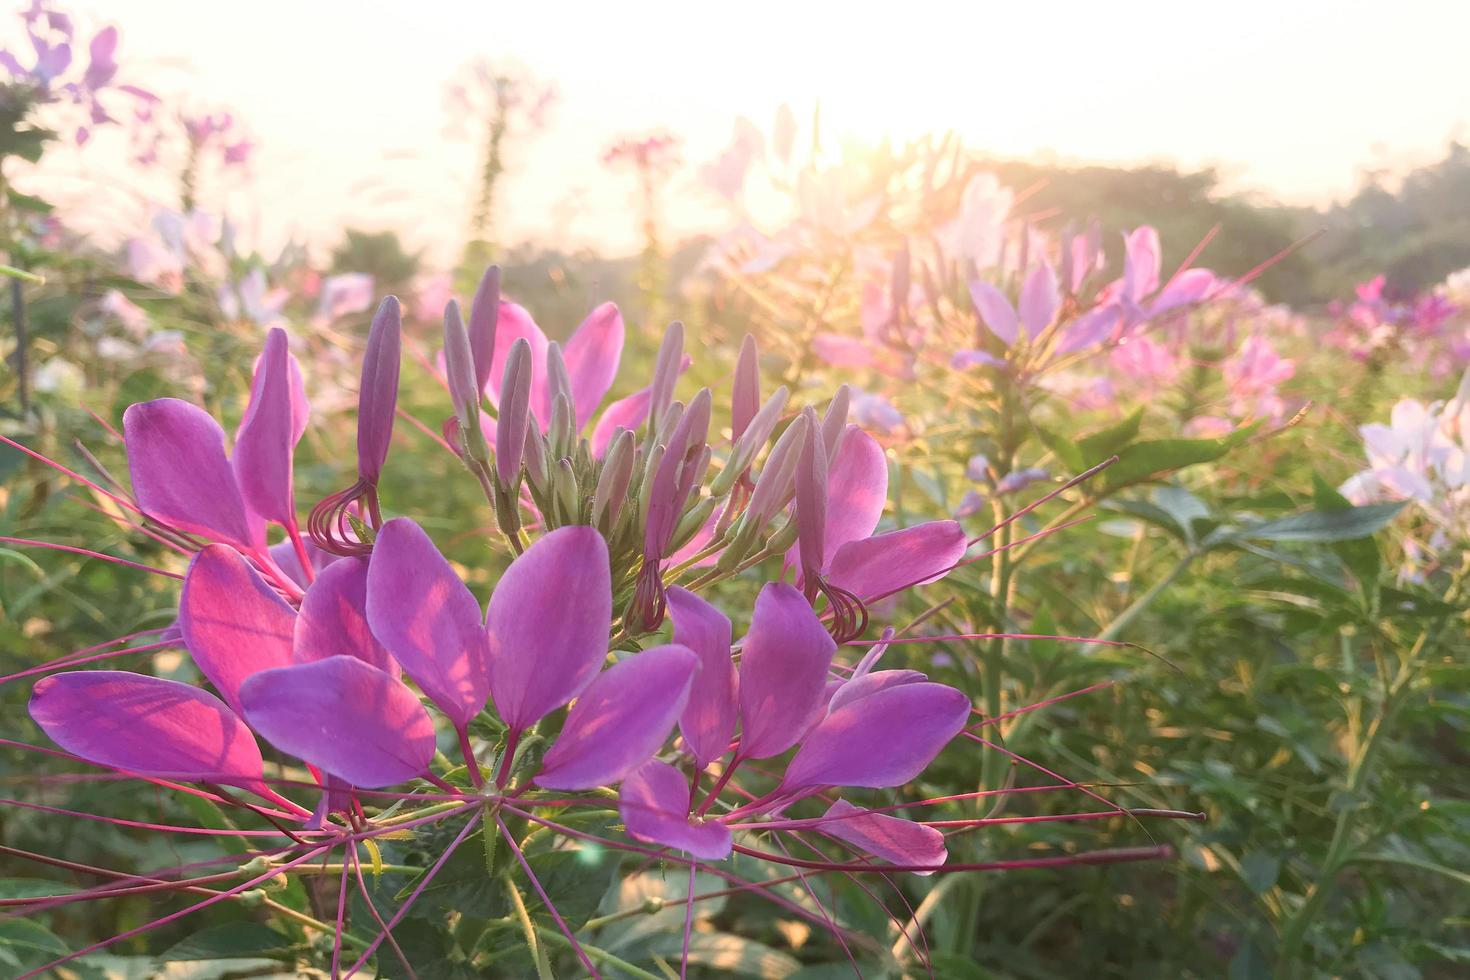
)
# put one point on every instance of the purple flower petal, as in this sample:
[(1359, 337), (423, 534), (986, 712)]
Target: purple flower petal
[(783, 672), (1040, 298), (333, 619), (892, 839), (879, 741), (233, 623), (176, 456), (343, 716), (887, 563), (1090, 329), (548, 625), (268, 434), (654, 804), (625, 413), (857, 488), (1141, 262), (870, 684), (620, 721), (708, 722), (963, 360), (592, 356), (284, 555), (997, 312), (146, 725), (514, 324), (428, 620)]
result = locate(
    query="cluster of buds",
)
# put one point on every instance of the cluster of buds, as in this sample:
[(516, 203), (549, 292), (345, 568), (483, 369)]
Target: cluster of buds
[(646, 476)]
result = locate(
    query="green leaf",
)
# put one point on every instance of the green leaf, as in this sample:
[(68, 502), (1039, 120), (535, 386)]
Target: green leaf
[(1359, 555), (29, 937), (1259, 871), (1065, 449), (1156, 457), (1098, 446), (32, 888), (233, 941), (1323, 525)]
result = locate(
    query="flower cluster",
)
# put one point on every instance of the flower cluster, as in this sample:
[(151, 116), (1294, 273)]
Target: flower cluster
[(353, 646), (1422, 455), (51, 74), (1424, 328)]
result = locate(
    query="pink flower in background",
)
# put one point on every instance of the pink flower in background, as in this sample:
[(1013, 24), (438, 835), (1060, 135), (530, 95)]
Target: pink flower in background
[(217, 133), (1252, 376), (343, 295), (977, 233)]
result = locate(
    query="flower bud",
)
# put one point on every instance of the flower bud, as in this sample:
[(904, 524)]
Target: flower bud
[(746, 398), (537, 469), (459, 369), (515, 402), (811, 509), (484, 314), (558, 381), (666, 372), (377, 398), (612, 483), (834, 423), (750, 442), (774, 482)]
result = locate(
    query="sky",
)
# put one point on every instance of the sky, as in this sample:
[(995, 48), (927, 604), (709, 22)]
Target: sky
[(1291, 98)]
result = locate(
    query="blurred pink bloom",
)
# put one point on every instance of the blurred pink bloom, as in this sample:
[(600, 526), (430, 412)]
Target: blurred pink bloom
[(875, 413), (343, 295), (1252, 376), (977, 232)]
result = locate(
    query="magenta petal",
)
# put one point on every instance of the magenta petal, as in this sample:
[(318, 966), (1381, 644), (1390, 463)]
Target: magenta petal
[(146, 725), (654, 805), (888, 563), (333, 619), (176, 456), (620, 720), (857, 487), (870, 684), (234, 624), (783, 671), (513, 324), (1040, 298), (882, 740), (626, 413), (428, 620), (592, 356), (266, 441), (345, 717), (1089, 329), (548, 624), (842, 351), (1141, 262), (891, 839), (286, 559), (997, 312), (708, 722)]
